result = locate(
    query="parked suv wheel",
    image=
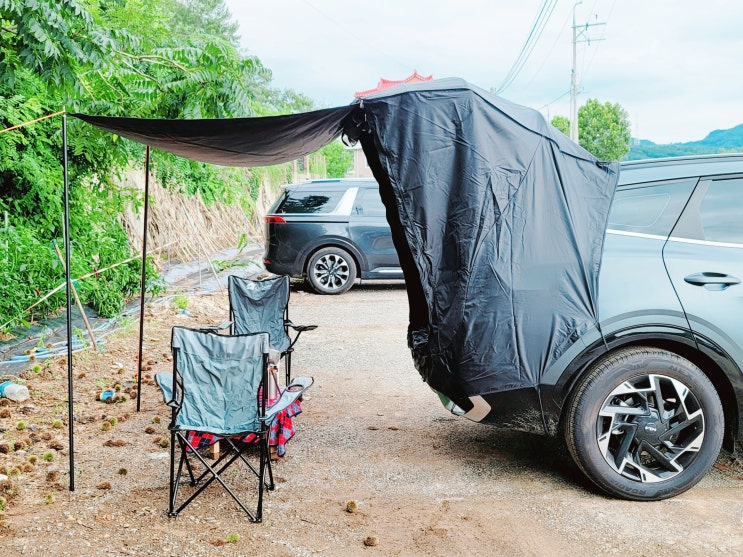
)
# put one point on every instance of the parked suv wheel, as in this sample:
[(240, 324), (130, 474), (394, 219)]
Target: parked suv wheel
[(331, 271), (644, 424)]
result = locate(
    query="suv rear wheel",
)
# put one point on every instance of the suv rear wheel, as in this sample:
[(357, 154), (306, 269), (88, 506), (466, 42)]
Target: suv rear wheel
[(331, 271), (644, 424)]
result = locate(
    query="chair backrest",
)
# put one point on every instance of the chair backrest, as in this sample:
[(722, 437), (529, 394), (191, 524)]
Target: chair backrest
[(220, 376), (260, 306)]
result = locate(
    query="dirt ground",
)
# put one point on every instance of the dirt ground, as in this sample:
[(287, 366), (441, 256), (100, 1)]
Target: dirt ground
[(372, 439)]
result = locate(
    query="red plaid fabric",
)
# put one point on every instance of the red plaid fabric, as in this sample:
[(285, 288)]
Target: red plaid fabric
[(279, 433)]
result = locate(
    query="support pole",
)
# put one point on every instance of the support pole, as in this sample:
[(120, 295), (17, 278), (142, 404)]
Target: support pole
[(68, 280), (144, 271)]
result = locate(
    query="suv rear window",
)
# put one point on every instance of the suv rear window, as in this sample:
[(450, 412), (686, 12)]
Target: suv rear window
[(650, 208), (720, 212), (310, 201), (369, 204)]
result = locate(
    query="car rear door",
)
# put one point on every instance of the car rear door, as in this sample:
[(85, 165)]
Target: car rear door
[(704, 259), (634, 284), (370, 231)]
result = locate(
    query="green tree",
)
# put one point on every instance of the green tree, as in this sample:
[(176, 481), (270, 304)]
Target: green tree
[(142, 58), (562, 124), (338, 159), (604, 130), (51, 38), (211, 17)]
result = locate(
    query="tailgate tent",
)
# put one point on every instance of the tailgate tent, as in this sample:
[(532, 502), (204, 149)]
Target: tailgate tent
[(497, 217)]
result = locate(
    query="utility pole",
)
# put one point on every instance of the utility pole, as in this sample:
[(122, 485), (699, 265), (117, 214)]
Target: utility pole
[(580, 35)]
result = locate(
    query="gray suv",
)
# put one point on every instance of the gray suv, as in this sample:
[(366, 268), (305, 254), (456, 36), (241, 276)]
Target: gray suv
[(646, 399), (332, 232)]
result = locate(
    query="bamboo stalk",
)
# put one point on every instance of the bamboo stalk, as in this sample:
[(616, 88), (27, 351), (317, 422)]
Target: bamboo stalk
[(11, 128), (77, 300)]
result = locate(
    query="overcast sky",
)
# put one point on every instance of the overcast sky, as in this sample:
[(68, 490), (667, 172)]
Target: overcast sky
[(675, 66)]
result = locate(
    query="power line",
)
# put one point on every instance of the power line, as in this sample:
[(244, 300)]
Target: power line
[(580, 34), (550, 52), (603, 37), (554, 100), (543, 16)]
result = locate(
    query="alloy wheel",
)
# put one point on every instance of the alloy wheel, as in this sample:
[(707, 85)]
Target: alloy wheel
[(650, 428)]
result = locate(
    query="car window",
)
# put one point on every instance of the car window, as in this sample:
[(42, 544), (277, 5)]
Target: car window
[(649, 208), (369, 204), (310, 201), (721, 212)]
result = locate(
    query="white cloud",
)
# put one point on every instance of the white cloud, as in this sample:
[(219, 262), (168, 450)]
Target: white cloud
[(672, 64)]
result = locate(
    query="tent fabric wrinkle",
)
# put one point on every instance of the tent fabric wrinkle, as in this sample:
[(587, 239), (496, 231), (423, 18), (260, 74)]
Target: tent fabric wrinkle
[(497, 217), (504, 218)]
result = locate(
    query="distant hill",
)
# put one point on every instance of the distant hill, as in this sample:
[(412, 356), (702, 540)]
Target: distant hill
[(718, 141)]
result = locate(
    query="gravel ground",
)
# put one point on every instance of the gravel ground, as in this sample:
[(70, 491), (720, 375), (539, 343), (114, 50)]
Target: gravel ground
[(421, 481)]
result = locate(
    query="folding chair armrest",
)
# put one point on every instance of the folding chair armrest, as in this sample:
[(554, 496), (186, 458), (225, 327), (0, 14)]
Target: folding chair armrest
[(164, 380), (300, 328), (215, 328), (295, 389)]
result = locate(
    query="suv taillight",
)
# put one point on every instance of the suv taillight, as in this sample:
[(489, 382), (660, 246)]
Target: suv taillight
[(275, 220)]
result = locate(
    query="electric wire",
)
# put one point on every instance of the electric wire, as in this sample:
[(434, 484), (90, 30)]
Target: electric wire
[(553, 101), (543, 16), (601, 38), (563, 26)]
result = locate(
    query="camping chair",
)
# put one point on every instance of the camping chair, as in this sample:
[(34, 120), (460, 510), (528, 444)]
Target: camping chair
[(264, 306), (217, 391)]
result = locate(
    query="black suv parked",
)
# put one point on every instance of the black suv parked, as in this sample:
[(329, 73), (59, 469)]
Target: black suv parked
[(332, 232)]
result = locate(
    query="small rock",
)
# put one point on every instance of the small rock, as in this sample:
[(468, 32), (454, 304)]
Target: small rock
[(371, 541)]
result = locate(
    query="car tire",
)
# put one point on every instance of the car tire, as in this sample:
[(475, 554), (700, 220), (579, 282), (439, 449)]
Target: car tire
[(644, 424), (331, 271)]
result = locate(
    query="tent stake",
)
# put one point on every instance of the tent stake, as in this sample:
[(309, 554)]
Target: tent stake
[(144, 270), (68, 281)]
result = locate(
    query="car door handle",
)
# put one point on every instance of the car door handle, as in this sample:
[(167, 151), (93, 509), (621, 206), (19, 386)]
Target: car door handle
[(712, 281)]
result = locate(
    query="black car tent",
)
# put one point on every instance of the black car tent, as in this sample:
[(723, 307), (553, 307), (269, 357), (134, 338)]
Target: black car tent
[(497, 217)]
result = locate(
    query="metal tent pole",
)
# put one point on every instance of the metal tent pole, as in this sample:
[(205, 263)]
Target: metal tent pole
[(68, 280), (144, 270)]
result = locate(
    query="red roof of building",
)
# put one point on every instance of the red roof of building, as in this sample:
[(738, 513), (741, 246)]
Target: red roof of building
[(388, 83)]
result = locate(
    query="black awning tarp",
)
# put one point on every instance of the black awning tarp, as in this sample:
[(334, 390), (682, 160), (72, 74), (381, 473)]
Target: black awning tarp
[(233, 142), (498, 218)]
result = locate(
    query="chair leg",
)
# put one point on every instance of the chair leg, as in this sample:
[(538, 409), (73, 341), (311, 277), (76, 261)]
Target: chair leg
[(265, 460), (218, 468), (270, 485), (175, 477), (173, 484), (217, 462), (288, 365)]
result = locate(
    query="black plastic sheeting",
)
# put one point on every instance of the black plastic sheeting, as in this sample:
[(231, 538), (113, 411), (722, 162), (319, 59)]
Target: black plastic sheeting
[(497, 217)]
